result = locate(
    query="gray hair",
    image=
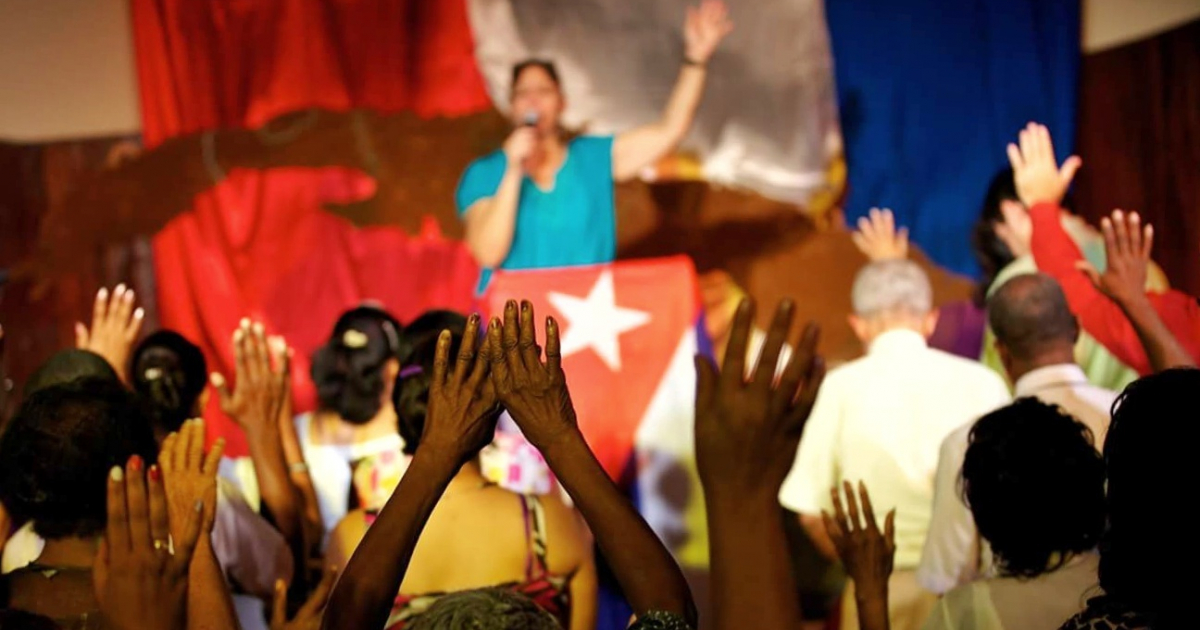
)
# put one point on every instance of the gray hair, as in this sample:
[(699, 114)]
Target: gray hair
[(484, 609), (891, 286), (1029, 314)]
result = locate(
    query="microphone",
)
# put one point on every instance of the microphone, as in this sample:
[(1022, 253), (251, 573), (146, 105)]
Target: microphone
[(530, 119)]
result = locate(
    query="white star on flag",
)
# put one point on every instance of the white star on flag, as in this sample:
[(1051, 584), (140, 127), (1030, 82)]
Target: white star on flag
[(596, 321)]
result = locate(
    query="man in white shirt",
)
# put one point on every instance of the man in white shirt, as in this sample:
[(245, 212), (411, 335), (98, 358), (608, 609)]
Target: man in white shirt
[(880, 419), (1035, 338)]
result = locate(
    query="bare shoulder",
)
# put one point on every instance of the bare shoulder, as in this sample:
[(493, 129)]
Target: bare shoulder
[(568, 541), (344, 538)]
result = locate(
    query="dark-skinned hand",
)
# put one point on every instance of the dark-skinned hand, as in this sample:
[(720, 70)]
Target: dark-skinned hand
[(748, 428), (532, 390), (140, 578), (462, 406)]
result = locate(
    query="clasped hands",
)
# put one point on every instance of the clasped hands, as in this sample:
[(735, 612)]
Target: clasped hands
[(748, 422), (502, 369)]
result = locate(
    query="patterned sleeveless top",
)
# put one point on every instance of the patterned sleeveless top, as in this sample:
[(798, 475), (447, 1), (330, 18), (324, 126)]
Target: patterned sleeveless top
[(547, 590)]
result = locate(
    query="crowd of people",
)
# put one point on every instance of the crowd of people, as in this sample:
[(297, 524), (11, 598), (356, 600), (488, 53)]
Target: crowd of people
[(1026, 482)]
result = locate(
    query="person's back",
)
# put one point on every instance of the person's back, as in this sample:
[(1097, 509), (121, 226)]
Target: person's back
[(480, 535), (1145, 565), (1036, 335), (1035, 486), (881, 419), (486, 536), (896, 405)]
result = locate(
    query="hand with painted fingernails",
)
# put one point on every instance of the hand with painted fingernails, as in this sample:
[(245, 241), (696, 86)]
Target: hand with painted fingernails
[(462, 404), (115, 327), (532, 390), (190, 474), (261, 373), (748, 426), (141, 571)]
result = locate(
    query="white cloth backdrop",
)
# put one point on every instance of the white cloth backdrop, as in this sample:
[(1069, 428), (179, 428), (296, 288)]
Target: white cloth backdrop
[(769, 118)]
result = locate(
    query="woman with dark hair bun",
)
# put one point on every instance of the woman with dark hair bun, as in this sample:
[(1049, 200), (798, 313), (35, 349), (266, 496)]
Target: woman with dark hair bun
[(350, 442), (480, 534), (171, 374)]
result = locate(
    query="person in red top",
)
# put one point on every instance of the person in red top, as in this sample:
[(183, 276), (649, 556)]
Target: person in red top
[(1136, 326)]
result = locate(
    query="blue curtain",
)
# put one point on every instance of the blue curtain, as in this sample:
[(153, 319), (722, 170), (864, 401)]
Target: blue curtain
[(931, 91)]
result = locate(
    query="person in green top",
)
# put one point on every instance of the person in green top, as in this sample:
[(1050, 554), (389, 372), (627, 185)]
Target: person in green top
[(1002, 246)]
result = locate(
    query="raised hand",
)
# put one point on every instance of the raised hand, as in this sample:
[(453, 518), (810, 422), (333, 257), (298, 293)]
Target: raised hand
[(706, 25), (310, 613), (261, 390), (1035, 170), (1016, 228), (866, 552), (747, 429), (115, 326), (140, 578), (462, 406), (190, 475), (534, 392), (877, 237), (1127, 245)]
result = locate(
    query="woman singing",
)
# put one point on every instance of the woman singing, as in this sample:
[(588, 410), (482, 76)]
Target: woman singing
[(542, 201)]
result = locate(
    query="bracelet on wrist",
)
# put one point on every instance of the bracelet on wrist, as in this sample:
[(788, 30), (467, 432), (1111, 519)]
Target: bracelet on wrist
[(298, 467), (688, 61)]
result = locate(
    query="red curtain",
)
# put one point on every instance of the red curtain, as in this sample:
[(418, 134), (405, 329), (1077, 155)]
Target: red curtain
[(1139, 136), (259, 244)]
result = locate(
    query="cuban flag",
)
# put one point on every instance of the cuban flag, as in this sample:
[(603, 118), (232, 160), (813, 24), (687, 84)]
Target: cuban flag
[(629, 332)]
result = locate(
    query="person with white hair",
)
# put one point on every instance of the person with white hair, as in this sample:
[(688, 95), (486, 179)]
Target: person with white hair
[(881, 420)]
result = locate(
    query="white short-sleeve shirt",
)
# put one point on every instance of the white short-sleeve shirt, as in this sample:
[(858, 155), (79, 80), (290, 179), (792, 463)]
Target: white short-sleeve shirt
[(881, 419)]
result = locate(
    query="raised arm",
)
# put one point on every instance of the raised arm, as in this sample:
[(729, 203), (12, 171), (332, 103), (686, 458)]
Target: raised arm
[(190, 478), (1127, 244), (638, 148), (461, 420), (115, 326), (254, 405), (866, 552), (1041, 185), (535, 394), (747, 432)]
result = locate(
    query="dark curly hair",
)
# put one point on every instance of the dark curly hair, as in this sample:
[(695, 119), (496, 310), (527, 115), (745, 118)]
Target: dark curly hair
[(69, 365), (1149, 453), (348, 369), (411, 393), (58, 449), (1035, 485), (485, 609), (170, 373)]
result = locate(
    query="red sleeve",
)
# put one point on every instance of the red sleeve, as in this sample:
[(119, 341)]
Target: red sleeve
[(1055, 253), (1181, 315)]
